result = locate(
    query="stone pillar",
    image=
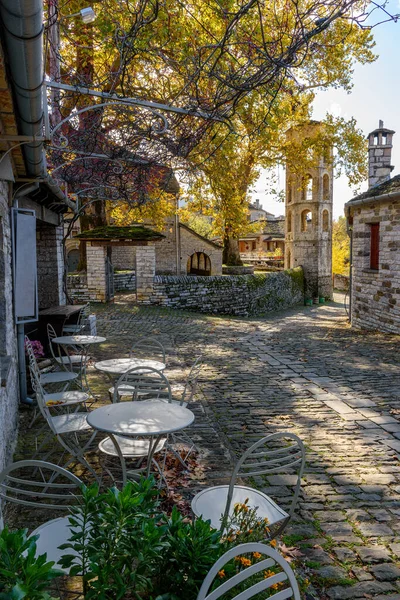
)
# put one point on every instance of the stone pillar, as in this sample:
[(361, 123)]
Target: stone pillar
[(96, 272), (379, 155), (50, 265), (145, 272)]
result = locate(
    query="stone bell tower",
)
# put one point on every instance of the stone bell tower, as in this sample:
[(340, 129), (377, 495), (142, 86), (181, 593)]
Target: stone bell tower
[(308, 206), (379, 155)]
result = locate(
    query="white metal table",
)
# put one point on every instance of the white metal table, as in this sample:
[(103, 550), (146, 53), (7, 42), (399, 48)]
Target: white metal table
[(118, 366), (140, 419), (78, 340)]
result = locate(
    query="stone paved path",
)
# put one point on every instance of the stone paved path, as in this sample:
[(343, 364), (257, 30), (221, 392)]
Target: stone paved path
[(307, 372)]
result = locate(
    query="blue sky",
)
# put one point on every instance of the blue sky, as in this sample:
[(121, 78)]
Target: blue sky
[(375, 95)]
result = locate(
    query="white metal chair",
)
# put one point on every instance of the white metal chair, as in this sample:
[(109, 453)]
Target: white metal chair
[(67, 362), (274, 574), (81, 324), (140, 383), (184, 394), (275, 453), (66, 427), (40, 484), (52, 378), (148, 347)]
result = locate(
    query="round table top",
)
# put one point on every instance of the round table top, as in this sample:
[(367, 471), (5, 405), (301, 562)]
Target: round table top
[(140, 418), (79, 340), (118, 366)]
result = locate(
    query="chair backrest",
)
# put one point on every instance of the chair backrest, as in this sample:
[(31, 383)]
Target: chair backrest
[(51, 334), (148, 347), (191, 382), (141, 383), (31, 355), (84, 316), (40, 484), (274, 575), (281, 452), (39, 391)]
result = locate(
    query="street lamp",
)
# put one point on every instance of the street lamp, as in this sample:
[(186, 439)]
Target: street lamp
[(87, 15)]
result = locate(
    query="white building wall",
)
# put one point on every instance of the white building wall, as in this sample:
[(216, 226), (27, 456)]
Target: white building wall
[(9, 395)]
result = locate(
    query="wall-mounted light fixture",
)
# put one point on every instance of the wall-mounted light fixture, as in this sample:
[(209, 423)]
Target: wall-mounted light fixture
[(87, 15)]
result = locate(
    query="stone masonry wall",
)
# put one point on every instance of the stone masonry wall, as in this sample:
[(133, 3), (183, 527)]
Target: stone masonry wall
[(96, 272), (376, 293), (124, 257), (78, 288), (190, 244), (240, 295), (145, 271), (9, 395), (50, 265)]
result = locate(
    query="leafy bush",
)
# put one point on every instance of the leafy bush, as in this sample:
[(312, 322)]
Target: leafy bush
[(127, 548), (22, 574)]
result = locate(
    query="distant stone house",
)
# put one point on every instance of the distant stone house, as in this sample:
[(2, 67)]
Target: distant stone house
[(374, 225), (270, 239), (181, 251), (257, 213)]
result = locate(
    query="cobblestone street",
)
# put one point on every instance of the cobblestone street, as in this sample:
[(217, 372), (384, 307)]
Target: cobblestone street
[(303, 371)]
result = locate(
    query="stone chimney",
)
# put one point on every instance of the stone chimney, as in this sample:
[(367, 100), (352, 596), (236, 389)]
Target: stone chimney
[(379, 155)]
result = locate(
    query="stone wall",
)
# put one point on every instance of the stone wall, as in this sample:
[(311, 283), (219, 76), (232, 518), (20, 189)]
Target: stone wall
[(240, 295), (124, 257), (9, 395), (50, 264), (125, 282), (376, 293), (78, 288), (341, 282), (191, 243), (145, 271)]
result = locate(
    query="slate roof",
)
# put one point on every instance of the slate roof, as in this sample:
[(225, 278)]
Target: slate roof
[(274, 229), (112, 232), (387, 187)]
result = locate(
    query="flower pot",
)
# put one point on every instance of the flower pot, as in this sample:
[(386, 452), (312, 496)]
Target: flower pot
[(321, 300), (308, 302)]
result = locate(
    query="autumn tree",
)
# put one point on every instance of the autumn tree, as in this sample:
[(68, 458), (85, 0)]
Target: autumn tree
[(232, 77), (340, 247)]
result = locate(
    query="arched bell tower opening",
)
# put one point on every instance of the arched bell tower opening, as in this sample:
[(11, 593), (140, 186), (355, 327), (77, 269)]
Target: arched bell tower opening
[(308, 205)]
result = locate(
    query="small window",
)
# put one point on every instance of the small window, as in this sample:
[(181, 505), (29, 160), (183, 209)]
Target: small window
[(376, 139), (253, 245), (384, 139), (289, 222), (306, 220), (289, 257), (325, 220), (289, 193), (374, 248)]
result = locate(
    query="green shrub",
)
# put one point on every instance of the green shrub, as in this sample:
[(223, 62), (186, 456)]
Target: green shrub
[(22, 574)]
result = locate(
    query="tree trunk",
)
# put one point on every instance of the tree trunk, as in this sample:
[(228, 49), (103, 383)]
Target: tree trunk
[(231, 255)]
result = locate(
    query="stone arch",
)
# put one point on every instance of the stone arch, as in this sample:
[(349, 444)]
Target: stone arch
[(325, 187), (306, 221), (325, 220), (289, 221), (73, 260), (307, 187), (199, 263)]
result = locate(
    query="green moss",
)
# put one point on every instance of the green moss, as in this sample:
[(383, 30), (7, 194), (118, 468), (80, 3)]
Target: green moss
[(297, 277), (111, 232)]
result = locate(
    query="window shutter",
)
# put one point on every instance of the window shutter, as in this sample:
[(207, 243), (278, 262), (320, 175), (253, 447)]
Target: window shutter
[(374, 253)]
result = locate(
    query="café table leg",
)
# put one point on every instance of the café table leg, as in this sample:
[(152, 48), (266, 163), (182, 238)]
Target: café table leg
[(154, 441), (121, 458)]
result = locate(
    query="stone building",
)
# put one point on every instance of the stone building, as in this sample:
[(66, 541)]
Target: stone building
[(308, 205), (178, 252), (374, 226), (31, 207), (270, 239)]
